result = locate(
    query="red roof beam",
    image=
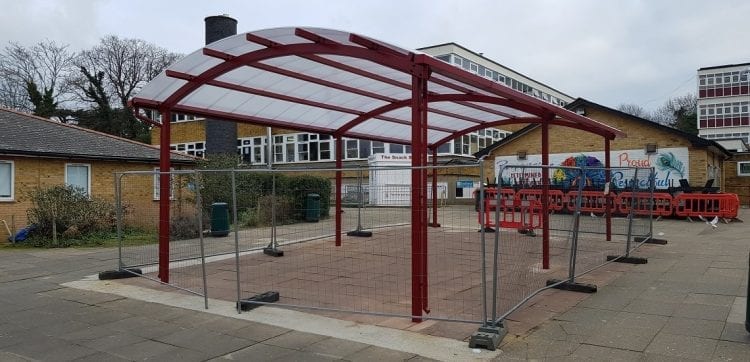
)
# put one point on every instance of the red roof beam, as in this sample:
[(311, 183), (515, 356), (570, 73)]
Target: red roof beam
[(259, 92), (374, 45), (243, 118), (334, 64)]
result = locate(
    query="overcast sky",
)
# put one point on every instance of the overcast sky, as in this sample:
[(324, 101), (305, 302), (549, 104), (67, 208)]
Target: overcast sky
[(611, 52)]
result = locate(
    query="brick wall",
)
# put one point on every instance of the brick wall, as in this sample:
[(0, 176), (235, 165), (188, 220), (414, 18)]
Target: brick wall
[(32, 172), (564, 139), (195, 131), (734, 183), (182, 132)]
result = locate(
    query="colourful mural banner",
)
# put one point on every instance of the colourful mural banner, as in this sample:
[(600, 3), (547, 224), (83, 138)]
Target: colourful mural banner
[(670, 164)]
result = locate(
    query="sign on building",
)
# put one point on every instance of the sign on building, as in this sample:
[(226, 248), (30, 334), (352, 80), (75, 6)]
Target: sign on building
[(670, 165), (390, 181)]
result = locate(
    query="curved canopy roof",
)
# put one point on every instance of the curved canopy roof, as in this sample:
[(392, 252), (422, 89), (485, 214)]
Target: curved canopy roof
[(343, 84)]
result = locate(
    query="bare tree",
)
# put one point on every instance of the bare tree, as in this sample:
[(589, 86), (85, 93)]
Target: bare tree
[(127, 64), (670, 112), (634, 109), (111, 73), (32, 78)]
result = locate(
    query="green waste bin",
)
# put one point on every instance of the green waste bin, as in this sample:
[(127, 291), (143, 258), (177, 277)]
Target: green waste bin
[(219, 219), (312, 208)]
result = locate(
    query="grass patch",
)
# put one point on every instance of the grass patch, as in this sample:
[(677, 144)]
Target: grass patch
[(97, 239)]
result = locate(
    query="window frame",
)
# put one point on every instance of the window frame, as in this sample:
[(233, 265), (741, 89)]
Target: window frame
[(88, 174), (12, 181), (739, 168)]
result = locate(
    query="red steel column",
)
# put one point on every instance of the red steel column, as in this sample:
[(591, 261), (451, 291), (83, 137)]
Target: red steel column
[(545, 193), (435, 222), (164, 192), (339, 164), (418, 194), (607, 179)]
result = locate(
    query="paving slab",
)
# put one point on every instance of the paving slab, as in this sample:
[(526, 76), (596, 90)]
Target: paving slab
[(144, 350), (633, 339), (335, 348), (731, 351), (645, 306), (587, 352), (294, 340), (257, 352), (673, 345), (257, 332), (49, 349), (702, 311), (208, 342), (110, 341), (694, 327), (738, 310), (378, 354), (735, 332)]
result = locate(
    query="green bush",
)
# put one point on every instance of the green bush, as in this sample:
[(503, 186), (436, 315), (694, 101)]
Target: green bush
[(73, 213), (303, 185), (254, 189)]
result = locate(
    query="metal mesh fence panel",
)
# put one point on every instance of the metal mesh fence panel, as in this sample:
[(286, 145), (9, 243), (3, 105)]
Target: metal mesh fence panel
[(578, 204), (371, 271), (243, 221), (138, 222)]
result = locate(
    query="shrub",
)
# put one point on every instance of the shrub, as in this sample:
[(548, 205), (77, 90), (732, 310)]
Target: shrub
[(285, 211), (303, 185), (69, 208), (184, 227), (254, 188)]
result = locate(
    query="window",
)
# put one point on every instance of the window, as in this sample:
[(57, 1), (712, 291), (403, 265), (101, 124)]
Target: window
[(197, 149), (78, 175), (352, 149), (157, 183), (252, 149), (743, 168), (6, 181), (378, 147), (325, 150)]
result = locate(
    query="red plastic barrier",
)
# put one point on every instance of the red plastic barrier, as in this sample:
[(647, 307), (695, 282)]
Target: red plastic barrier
[(557, 198), (523, 214), (707, 205), (514, 212), (662, 205), (591, 201)]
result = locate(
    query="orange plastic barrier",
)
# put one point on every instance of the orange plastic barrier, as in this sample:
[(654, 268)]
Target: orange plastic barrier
[(514, 212), (557, 199), (591, 201), (662, 205), (707, 205), (523, 214)]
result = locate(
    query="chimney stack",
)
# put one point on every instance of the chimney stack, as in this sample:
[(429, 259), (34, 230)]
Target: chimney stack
[(221, 136)]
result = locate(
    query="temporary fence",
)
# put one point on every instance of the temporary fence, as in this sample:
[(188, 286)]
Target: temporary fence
[(137, 197), (371, 270), (586, 227), (261, 236)]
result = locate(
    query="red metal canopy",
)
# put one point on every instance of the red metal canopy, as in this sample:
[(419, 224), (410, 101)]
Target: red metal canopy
[(347, 85), (343, 84)]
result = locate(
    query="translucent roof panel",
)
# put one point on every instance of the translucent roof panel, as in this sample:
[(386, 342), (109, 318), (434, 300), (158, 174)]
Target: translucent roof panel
[(344, 84)]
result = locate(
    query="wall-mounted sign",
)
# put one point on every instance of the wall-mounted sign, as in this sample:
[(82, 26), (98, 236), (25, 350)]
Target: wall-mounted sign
[(670, 164)]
